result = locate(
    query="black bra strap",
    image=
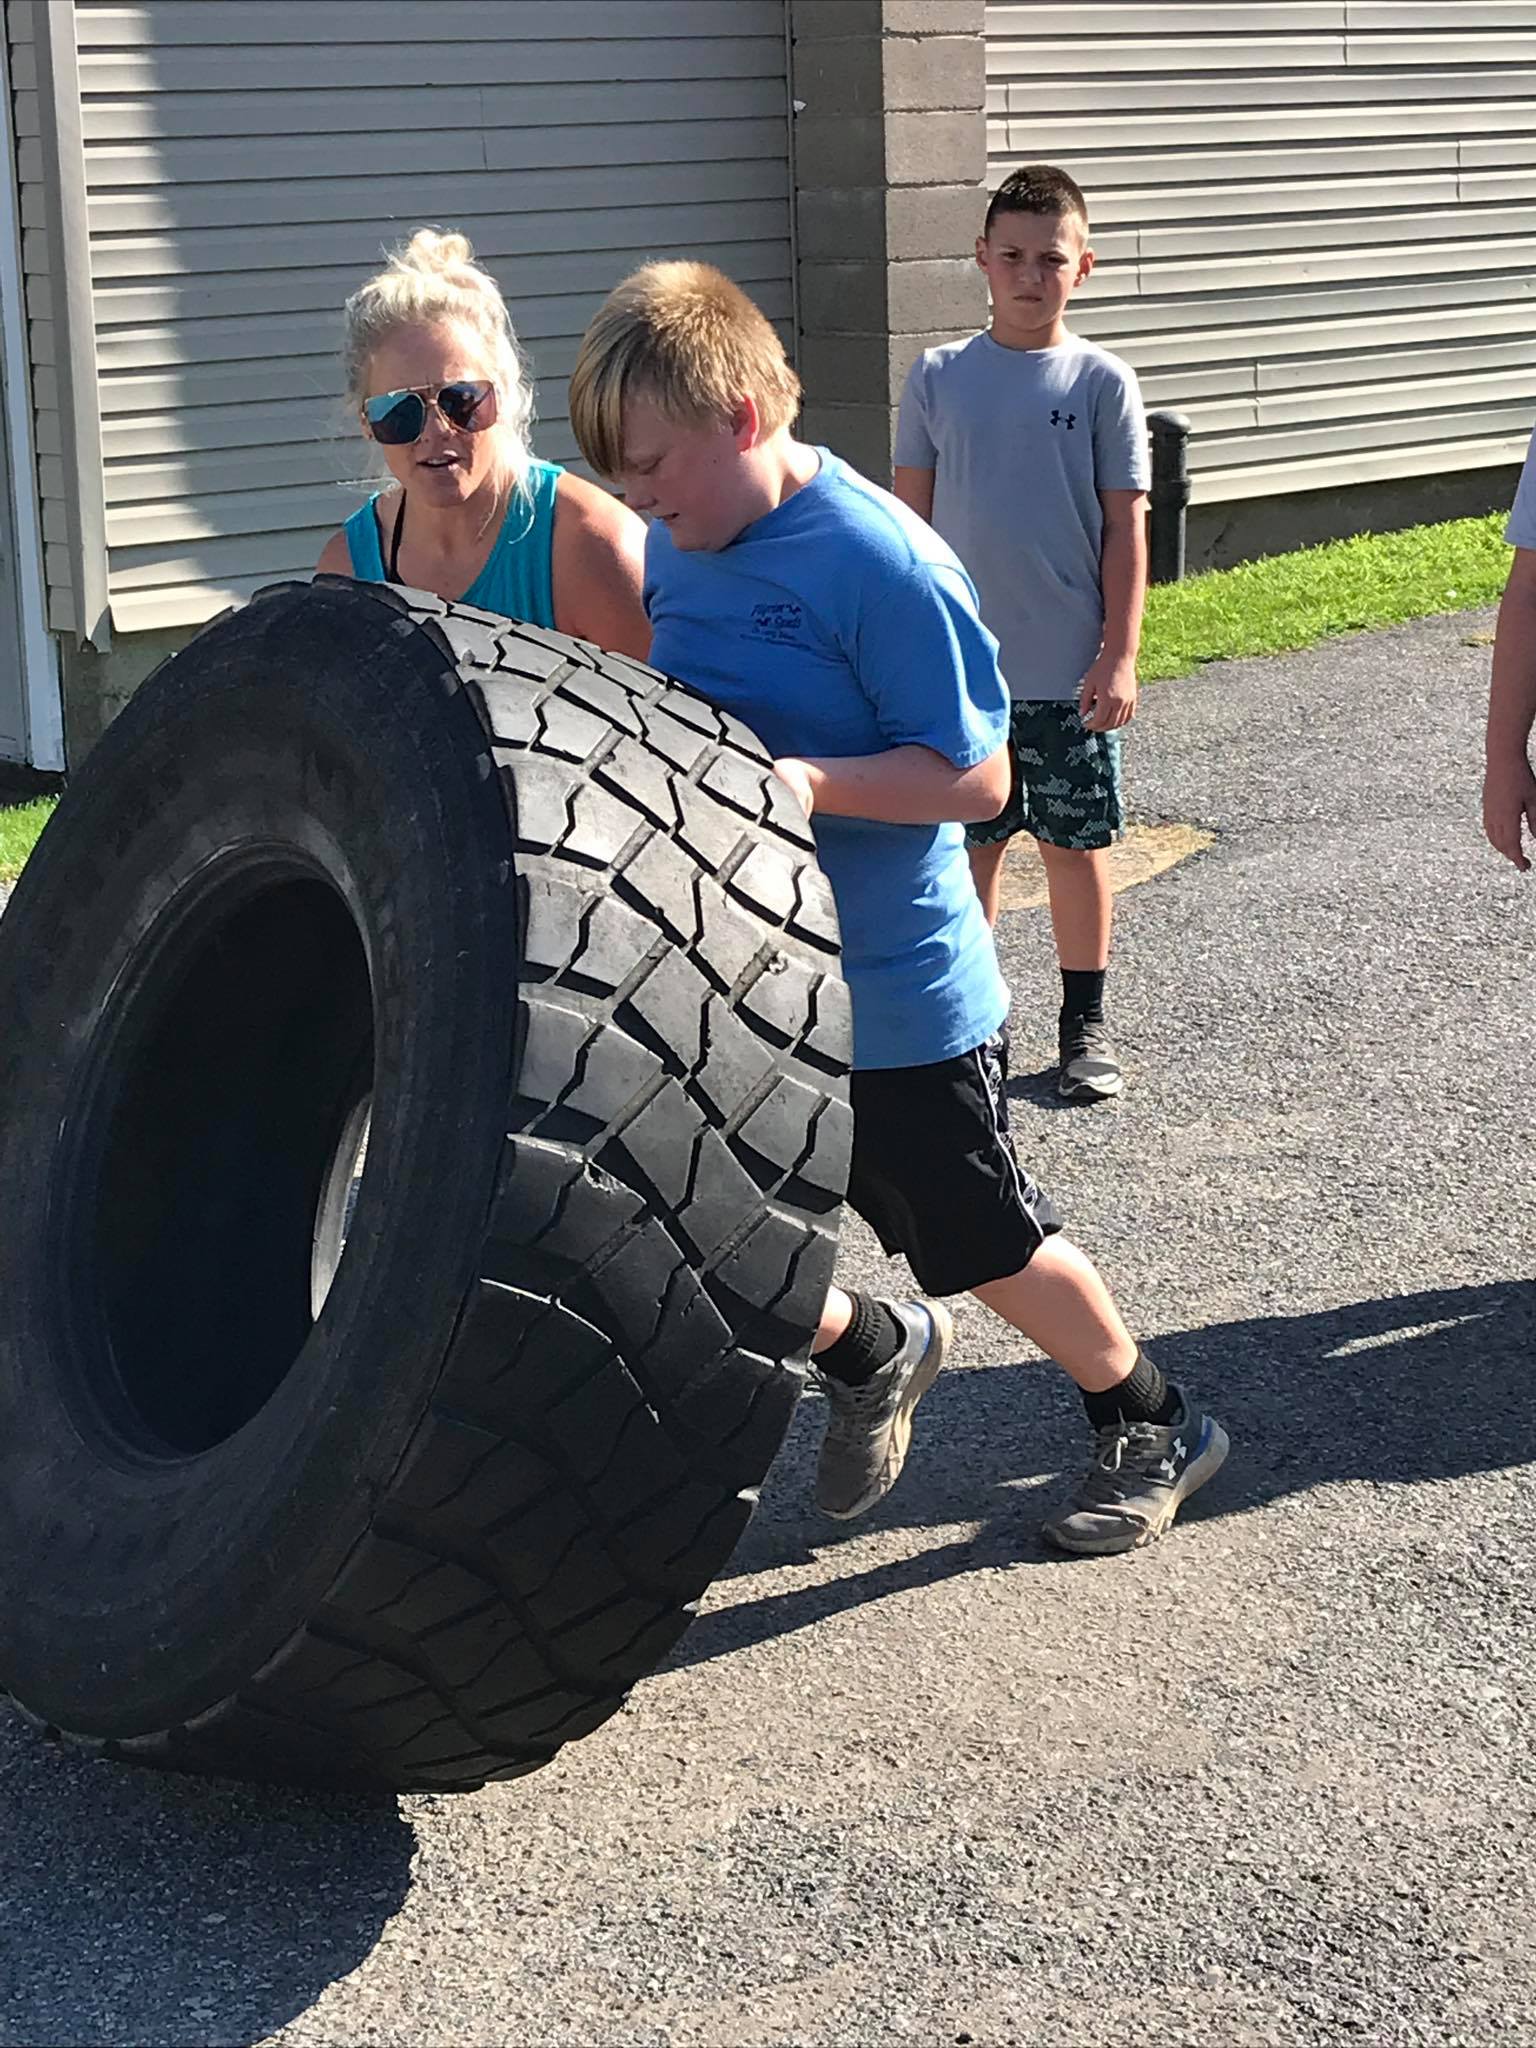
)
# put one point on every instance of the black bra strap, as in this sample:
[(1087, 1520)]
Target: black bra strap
[(394, 546)]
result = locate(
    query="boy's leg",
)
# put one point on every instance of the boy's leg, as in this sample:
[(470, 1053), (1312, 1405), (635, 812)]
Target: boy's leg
[(987, 844), (875, 1360), (987, 858), (924, 1139), (1082, 905), (934, 1172), (1060, 1302), (836, 1315), (1152, 1450), (1073, 807)]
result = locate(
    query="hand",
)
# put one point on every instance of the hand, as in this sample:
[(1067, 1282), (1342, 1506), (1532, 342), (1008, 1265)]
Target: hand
[(1107, 699), (797, 777), (1509, 802)]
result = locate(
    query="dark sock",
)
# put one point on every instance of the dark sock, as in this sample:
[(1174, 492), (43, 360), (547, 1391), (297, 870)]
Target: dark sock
[(1082, 994), (872, 1339), (1142, 1396)]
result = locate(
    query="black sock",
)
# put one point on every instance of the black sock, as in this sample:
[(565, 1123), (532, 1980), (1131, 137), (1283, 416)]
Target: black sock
[(1082, 994), (872, 1339), (1142, 1396)]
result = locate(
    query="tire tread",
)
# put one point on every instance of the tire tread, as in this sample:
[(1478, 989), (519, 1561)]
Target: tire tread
[(661, 1240)]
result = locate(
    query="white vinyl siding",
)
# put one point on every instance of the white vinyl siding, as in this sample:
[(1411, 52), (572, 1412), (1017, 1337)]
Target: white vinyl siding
[(248, 161), (31, 709), (42, 273), (1315, 220)]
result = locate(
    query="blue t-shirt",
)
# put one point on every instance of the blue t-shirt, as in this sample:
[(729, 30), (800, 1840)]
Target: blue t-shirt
[(837, 624)]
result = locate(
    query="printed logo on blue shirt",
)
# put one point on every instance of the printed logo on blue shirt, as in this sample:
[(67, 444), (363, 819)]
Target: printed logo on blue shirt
[(780, 624)]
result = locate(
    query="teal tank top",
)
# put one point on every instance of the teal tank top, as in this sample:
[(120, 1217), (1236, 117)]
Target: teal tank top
[(517, 580)]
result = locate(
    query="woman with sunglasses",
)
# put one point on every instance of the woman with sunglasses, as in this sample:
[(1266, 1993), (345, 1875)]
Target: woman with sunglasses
[(434, 369)]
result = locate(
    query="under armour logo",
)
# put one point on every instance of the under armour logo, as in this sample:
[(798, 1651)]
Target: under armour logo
[(1063, 419)]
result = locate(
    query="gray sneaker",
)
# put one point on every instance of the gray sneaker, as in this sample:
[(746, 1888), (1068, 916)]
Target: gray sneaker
[(869, 1427), (1090, 1071), (1140, 1475)]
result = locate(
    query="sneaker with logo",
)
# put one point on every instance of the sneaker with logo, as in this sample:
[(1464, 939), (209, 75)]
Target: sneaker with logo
[(1090, 1071), (869, 1427), (1141, 1474)]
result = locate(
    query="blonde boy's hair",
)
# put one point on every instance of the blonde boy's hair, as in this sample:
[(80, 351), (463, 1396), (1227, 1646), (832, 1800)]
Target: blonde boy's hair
[(685, 337)]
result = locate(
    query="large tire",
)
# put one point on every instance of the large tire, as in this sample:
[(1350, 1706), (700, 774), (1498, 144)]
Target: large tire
[(556, 918)]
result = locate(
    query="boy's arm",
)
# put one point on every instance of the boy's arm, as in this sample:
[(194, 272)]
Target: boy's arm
[(928, 668), (914, 487), (1108, 696), (1509, 786), (903, 786)]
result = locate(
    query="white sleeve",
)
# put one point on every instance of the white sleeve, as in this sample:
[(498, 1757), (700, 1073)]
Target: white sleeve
[(914, 439), (1121, 458)]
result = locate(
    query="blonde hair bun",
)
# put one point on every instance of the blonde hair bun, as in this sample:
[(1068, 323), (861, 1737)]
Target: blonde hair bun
[(440, 255)]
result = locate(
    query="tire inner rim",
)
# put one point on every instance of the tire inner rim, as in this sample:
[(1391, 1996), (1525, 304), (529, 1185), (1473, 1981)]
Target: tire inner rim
[(338, 1203), (206, 1192)]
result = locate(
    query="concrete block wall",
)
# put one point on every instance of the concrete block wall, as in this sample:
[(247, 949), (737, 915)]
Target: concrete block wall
[(890, 163)]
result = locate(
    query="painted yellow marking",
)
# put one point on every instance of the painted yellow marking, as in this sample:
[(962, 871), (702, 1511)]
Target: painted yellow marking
[(1145, 851)]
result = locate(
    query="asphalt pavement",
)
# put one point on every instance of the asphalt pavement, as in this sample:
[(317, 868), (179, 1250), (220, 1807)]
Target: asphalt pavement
[(1269, 1782)]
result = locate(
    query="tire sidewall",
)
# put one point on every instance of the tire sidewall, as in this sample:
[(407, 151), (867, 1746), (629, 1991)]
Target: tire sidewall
[(183, 1575)]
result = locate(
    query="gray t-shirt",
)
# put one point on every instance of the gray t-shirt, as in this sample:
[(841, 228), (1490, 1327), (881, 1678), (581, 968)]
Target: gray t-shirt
[(1022, 441), (1521, 530)]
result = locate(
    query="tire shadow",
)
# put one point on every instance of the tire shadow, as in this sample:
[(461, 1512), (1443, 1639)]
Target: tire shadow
[(184, 1912), (1403, 1389)]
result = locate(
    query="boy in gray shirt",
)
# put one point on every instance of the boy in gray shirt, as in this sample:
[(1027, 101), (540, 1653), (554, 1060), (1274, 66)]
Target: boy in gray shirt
[(1026, 447)]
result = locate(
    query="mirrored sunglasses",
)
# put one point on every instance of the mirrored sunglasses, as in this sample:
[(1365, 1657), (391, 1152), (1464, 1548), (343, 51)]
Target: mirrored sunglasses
[(399, 417)]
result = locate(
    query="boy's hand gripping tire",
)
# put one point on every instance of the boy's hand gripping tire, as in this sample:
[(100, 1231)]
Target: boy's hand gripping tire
[(538, 938)]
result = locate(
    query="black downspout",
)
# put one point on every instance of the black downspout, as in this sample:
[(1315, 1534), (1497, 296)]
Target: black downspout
[(1170, 494)]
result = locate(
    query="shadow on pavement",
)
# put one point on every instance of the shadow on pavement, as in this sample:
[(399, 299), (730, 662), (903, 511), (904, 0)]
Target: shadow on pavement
[(1038, 1087), (140, 1908), (1415, 1387)]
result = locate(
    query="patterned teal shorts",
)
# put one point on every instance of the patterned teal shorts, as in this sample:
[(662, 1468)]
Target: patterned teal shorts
[(1066, 781)]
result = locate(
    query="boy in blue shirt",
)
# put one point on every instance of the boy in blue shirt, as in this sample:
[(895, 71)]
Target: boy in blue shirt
[(1027, 448), (792, 592)]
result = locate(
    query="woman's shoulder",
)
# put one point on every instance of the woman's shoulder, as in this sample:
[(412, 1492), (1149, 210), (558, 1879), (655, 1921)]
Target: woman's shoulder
[(348, 546), (588, 508), (354, 547), (532, 505), (598, 563), (336, 555), (543, 485)]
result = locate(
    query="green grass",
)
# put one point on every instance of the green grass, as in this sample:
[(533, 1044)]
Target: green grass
[(19, 826), (1296, 600)]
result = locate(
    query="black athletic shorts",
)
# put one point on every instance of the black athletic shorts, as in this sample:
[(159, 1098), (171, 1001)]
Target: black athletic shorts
[(934, 1172)]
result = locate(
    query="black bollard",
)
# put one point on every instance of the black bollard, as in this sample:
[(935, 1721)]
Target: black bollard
[(1170, 494)]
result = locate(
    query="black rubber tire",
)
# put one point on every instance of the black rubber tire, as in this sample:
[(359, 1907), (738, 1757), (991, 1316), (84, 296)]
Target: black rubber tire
[(563, 922)]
